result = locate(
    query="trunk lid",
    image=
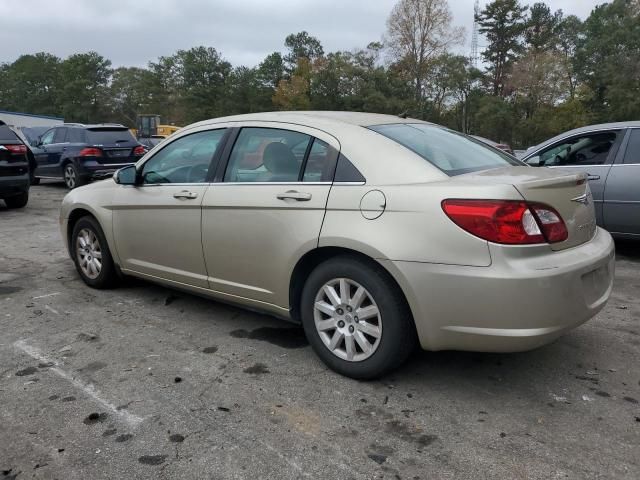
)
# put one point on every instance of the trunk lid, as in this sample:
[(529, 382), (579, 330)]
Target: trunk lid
[(566, 191), (116, 143)]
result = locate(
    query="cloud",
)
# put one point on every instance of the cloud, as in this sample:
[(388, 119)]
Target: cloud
[(243, 31)]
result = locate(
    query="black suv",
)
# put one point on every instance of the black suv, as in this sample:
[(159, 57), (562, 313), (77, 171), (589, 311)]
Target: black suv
[(14, 169), (79, 153)]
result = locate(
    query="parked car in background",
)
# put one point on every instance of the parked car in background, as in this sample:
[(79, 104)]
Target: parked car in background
[(500, 146), (78, 153), (610, 155), (14, 168), (150, 142), (368, 229)]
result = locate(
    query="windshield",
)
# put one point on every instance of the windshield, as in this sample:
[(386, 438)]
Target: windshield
[(450, 151)]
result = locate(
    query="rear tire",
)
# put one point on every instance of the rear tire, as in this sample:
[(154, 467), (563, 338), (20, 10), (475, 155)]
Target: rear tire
[(382, 337), (71, 177), (91, 254), (17, 201)]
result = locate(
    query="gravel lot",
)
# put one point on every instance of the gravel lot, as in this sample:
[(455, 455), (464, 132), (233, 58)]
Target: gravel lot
[(145, 382)]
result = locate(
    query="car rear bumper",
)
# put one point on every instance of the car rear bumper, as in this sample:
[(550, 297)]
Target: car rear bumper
[(14, 185), (95, 170), (520, 302)]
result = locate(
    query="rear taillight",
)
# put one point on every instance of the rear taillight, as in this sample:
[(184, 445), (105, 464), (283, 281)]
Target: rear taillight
[(90, 152), (510, 222), (17, 149), (139, 150)]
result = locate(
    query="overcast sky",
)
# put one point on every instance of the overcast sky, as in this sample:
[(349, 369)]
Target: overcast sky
[(130, 33)]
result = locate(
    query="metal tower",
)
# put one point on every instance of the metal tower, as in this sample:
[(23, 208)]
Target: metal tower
[(474, 35)]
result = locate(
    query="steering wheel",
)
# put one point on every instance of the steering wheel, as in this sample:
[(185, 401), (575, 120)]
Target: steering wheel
[(197, 173)]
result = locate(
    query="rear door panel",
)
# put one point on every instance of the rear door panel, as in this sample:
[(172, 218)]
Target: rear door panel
[(253, 235)]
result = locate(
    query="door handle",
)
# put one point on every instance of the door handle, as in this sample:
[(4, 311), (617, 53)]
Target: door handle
[(593, 177), (293, 195), (185, 194)]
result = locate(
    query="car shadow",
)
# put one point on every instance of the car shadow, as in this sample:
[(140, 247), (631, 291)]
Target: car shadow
[(628, 250)]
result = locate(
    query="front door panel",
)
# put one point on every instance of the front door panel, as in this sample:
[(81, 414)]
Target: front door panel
[(157, 231)]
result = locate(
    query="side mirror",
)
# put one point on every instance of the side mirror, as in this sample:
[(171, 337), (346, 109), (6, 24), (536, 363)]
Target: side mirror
[(126, 176), (534, 161)]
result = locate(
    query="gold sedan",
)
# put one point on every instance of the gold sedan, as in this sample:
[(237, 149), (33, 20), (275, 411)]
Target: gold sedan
[(375, 232)]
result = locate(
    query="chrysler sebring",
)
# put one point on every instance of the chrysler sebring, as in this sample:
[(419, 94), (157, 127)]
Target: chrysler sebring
[(375, 232)]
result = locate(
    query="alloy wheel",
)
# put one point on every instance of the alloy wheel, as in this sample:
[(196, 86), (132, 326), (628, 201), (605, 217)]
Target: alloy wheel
[(347, 319), (89, 253), (70, 176)]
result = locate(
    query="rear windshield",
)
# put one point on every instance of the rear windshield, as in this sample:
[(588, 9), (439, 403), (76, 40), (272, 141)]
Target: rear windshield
[(450, 151), (6, 134), (104, 136)]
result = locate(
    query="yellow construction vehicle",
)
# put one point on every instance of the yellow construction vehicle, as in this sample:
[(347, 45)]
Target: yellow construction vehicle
[(149, 126)]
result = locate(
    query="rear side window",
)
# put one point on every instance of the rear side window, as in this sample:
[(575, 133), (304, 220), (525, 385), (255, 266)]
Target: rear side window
[(451, 152), (75, 135), (632, 154), (59, 135), (105, 136), (267, 155), (6, 134)]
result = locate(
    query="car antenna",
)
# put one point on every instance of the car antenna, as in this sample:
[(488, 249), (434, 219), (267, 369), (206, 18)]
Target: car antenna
[(403, 114)]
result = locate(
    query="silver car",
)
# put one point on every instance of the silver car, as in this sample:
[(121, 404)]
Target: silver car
[(374, 232), (610, 155)]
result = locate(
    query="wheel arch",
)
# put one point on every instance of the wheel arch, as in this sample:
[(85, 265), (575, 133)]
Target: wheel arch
[(75, 215), (315, 257)]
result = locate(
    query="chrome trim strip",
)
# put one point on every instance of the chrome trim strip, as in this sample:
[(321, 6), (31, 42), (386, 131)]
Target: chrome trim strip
[(625, 164), (272, 183)]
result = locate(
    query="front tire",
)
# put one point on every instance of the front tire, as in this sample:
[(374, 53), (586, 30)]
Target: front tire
[(91, 254), (17, 201), (356, 318)]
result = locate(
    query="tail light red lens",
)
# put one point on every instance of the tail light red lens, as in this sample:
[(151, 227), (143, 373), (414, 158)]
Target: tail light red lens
[(17, 149), (509, 222), (90, 152), (139, 150)]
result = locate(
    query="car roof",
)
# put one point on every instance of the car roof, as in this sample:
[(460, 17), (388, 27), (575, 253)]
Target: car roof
[(587, 129), (310, 118), (92, 125)]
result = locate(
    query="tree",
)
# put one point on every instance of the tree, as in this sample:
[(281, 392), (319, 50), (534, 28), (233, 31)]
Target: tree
[(30, 84), (293, 93), (417, 32), (541, 27), (133, 92), (196, 83), (607, 60), (83, 87), (301, 45), (503, 23), (568, 32)]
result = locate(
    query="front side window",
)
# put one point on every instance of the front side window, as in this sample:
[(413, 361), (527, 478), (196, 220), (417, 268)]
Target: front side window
[(588, 149), (450, 151), (185, 160), (47, 137), (267, 155)]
